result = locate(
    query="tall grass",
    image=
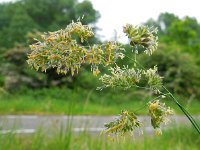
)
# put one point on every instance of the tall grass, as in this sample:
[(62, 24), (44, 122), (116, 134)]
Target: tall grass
[(173, 139), (81, 101)]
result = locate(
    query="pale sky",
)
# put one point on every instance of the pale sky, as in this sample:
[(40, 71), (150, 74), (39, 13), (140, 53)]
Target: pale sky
[(116, 13)]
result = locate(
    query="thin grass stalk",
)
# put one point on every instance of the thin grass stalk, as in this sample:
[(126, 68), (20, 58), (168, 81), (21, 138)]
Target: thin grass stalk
[(192, 120)]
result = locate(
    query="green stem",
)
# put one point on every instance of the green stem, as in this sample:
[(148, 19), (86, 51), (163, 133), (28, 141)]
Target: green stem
[(136, 62), (192, 120), (141, 87)]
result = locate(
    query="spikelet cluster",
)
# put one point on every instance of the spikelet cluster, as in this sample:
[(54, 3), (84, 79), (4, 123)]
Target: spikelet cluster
[(61, 50), (159, 114), (127, 122), (129, 77), (154, 81), (142, 36), (121, 77)]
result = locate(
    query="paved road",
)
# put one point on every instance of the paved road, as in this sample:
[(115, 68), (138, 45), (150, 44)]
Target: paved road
[(30, 123)]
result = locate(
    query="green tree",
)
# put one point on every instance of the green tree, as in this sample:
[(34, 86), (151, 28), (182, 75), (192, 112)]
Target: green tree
[(20, 24), (17, 18), (184, 32), (179, 69), (173, 29), (14, 73), (21, 20), (163, 22)]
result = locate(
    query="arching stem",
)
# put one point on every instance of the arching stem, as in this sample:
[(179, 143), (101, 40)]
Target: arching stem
[(192, 120)]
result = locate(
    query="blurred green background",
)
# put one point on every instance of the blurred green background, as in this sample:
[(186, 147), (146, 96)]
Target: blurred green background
[(25, 91)]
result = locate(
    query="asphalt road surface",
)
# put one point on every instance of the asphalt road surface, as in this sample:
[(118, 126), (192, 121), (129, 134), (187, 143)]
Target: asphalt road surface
[(28, 124)]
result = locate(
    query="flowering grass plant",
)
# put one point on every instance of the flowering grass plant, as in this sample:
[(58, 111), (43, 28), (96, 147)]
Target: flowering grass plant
[(65, 51)]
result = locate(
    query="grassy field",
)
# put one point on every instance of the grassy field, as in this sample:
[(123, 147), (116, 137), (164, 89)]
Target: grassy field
[(172, 139), (82, 102)]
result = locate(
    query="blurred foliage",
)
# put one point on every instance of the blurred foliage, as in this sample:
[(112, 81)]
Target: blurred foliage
[(21, 17), (180, 71), (178, 55), (22, 20), (14, 70), (180, 31)]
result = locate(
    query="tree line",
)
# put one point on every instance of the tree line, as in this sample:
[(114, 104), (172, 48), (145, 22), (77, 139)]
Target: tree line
[(20, 21)]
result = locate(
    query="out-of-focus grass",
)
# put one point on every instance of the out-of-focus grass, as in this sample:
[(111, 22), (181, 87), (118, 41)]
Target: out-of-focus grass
[(81, 102), (25, 105), (172, 139)]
